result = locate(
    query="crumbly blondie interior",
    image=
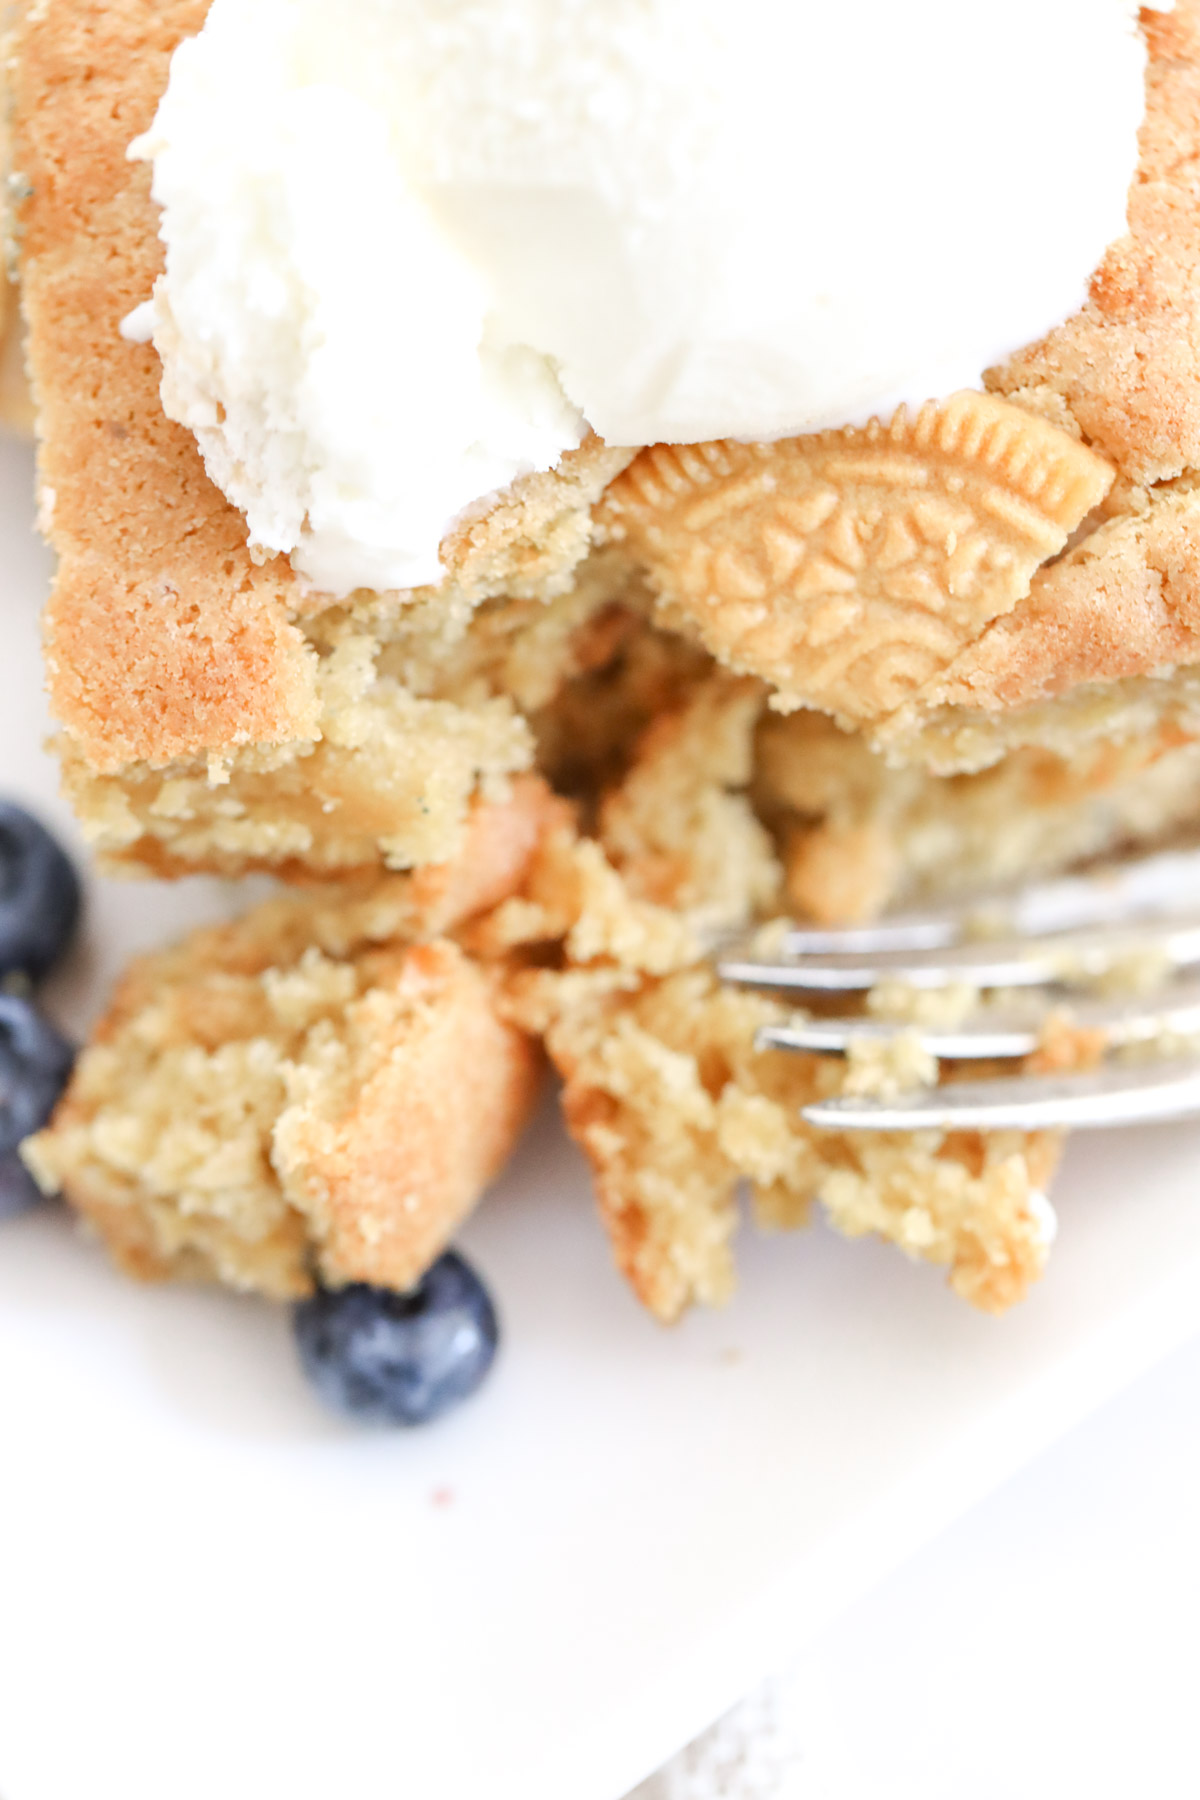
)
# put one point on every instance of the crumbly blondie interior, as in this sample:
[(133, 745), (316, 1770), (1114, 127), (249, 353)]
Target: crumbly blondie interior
[(421, 709), (725, 814), (226, 1119), (318, 1091)]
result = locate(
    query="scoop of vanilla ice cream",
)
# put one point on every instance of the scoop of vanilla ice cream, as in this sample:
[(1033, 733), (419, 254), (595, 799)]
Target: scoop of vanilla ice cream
[(415, 248)]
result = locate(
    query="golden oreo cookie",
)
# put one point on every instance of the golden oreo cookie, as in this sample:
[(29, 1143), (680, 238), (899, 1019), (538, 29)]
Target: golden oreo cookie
[(848, 568)]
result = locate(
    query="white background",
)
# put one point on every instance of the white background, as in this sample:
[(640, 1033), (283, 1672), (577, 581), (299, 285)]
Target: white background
[(1047, 1645)]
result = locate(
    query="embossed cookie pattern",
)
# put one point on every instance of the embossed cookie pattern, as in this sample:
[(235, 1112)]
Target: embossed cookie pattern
[(847, 568)]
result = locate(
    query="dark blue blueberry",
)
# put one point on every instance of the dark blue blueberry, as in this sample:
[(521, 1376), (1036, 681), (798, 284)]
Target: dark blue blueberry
[(400, 1359), (39, 895), (34, 1065), (18, 1190)]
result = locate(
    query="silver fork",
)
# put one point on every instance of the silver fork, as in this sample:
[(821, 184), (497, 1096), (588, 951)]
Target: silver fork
[(1056, 941)]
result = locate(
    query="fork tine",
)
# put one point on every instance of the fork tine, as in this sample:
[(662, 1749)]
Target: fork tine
[(833, 1037), (1100, 1100), (1066, 959), (1000, 1034), (1109, 892)]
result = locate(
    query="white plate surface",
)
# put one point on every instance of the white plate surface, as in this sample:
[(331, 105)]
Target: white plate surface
[(209, 1587)]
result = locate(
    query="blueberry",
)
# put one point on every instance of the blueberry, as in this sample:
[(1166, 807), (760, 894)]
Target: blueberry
[(18, 1190), (34, 1065), (400, 1359), (39, 895)]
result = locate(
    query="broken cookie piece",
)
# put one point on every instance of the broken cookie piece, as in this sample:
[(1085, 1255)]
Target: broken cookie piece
[(848, 568)]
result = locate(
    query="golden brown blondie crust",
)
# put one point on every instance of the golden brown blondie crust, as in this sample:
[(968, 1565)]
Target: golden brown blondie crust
[(162, 637), (1125, 370)]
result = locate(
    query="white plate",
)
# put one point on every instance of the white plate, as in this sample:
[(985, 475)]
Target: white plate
[(210, 1588)]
